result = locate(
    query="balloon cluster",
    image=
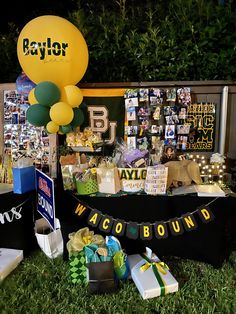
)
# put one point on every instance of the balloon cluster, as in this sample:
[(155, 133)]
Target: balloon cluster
[(54, 55), (57, 110)]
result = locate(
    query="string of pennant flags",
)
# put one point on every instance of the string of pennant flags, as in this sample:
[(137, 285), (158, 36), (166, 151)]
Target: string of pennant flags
[(145, 230)]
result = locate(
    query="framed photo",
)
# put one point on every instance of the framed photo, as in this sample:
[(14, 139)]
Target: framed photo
[(183, 129), (169, 131)]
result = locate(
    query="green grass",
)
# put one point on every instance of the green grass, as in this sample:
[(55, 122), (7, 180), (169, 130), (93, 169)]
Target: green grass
[(42, 285)]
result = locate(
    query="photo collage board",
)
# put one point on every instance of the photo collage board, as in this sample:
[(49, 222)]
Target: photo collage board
[(167, 118), (21, 139)]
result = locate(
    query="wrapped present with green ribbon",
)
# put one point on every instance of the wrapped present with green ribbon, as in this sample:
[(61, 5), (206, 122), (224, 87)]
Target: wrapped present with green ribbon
[(76, 245), (151, 276)]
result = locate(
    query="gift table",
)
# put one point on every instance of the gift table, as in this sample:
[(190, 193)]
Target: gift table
[(210, 242)]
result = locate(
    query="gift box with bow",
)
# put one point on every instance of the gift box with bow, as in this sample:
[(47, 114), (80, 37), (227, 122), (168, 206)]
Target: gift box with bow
[(151, 276)]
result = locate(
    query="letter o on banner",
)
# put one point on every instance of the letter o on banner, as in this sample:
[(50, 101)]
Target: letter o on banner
[(50, 48)]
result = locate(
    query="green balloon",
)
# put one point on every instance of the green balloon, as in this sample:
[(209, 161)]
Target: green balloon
[(65, 128), (47, 93), (38, 115), (78, 117)]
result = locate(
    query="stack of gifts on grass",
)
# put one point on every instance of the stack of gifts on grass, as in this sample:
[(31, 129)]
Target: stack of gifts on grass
[(100, 263)]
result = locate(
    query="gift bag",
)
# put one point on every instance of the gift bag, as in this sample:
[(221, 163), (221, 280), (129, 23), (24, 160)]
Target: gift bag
[(86, 182), (101, 277), (156, 180), (75, 246), (108, 178), (23, 179), (132, 179), (50, 241)]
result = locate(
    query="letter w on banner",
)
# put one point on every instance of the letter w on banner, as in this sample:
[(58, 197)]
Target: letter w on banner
[(104, 111)]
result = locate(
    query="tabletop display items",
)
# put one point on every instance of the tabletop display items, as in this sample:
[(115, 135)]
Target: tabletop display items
[(151, 276), (156, 180), (108, 177)]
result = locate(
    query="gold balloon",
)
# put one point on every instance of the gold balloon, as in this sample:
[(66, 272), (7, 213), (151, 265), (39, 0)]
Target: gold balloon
[(50, 48), (61, 113), (31, 98), (72, 95), (52, 127)]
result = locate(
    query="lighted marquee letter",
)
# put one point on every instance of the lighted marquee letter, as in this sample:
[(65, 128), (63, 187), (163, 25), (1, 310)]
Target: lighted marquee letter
[(189, 222), (160, 229), (205, 214), (176, 227)]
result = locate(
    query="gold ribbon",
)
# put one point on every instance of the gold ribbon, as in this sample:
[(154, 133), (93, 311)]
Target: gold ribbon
[(161, 267)]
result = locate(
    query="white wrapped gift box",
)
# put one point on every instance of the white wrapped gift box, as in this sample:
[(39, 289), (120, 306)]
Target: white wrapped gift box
[(146, 281), (9, 260)]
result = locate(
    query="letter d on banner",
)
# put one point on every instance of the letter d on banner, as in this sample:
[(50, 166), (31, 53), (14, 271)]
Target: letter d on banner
[(205, 214)]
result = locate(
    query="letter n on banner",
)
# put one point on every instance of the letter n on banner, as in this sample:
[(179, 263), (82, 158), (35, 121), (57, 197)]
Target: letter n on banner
[(189, 222), (176, 227), (118, 228), (106, 223), (94, 217), (160, 229), (205, 214), (145, 231)]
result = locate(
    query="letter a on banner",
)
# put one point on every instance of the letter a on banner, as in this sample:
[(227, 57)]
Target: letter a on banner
[(205, 214), (94, 218)]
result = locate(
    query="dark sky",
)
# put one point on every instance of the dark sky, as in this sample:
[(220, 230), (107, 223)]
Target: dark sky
[(21, 12)]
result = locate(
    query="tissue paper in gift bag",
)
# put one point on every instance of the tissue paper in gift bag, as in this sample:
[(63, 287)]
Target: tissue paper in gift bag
[(23, 179), (108, 180), (151, 276)]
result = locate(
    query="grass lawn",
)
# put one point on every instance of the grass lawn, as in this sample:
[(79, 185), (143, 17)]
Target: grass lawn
[(41, 285)]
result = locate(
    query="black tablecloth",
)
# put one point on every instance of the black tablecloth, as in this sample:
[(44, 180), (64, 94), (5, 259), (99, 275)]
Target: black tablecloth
[(17, 221), (211, 243)]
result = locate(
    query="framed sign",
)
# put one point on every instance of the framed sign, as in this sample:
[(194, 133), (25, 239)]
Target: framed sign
[(45, 197)]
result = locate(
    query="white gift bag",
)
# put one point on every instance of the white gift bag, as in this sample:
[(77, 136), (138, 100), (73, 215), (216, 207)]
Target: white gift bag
[(50, 241)]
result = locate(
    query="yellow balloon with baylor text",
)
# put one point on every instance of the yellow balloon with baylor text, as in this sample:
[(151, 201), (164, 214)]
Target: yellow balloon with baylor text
[(50, 48)]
